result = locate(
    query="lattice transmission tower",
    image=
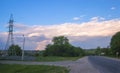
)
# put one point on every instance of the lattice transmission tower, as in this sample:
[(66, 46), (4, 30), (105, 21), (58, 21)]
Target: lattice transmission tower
[(10, 39)]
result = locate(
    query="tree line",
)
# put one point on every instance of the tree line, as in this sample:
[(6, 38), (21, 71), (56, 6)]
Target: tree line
[(60, 46), (112, 50)]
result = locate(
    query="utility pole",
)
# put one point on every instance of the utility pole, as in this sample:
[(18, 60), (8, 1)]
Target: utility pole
[(23, 47)]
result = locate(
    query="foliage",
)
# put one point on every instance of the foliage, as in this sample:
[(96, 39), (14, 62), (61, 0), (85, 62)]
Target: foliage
[(6, 68), (62, 47), (90, 52), (0, 53), (37, 53), (14, 50), (106, 51), (98, 51), (60, 40), (103, 51), (115, 43)]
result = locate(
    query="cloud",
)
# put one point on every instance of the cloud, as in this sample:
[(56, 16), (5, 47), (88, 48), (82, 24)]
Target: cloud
[(97, 18), (94, 19), (113, 8), (92, 42), (20, 26), (76, 18), (42, 45), (79, 34)]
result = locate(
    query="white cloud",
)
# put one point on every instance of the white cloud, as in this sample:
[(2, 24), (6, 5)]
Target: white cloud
[(33, 34), (76, 18), (74, 31), (94, 19), (113, 8), (101, 18), (97, 18), (42, 45)]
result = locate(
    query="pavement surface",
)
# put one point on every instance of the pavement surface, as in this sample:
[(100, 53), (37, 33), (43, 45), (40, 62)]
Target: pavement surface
[(105, 64), (90, 64), (82, 66)]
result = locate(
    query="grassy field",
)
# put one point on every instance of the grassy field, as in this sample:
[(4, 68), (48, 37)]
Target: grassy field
[(54, 58), (6, 68)]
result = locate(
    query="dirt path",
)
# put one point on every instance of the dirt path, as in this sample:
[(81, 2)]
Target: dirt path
[(80, 66)]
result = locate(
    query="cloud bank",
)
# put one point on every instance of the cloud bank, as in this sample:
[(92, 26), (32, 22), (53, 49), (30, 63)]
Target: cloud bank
[(96, 32)]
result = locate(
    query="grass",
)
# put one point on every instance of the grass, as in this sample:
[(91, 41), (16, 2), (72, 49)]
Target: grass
[(55, 58), (7, 68)]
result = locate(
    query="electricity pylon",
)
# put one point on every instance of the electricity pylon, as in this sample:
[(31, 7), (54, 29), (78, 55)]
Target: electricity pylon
[(10, 39)]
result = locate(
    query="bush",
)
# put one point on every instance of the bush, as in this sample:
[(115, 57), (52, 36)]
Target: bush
[(14, 50)]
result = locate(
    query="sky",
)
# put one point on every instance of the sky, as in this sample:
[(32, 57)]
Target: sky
[(87, 23)]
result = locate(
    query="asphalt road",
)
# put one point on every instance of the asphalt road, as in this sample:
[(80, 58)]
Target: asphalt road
[(82, 65), (105, 65), (90, 64)]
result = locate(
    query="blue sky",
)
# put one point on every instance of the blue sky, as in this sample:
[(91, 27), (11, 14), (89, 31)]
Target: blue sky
[(51, 13), (46, 12)]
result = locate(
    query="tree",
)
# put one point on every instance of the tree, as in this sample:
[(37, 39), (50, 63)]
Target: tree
[(115, 43), (106, 51), (79, 51), (62, 47), (60, 40), (14, 50), (98, 51)]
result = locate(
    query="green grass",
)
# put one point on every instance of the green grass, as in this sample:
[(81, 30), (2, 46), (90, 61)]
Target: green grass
[(55, 58), (6, 68)]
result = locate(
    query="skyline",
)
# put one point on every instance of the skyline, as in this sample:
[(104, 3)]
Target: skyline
[(82, 21)]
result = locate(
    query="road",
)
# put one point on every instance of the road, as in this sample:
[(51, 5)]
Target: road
[(90, 64), (104, 64), (80, 66)]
